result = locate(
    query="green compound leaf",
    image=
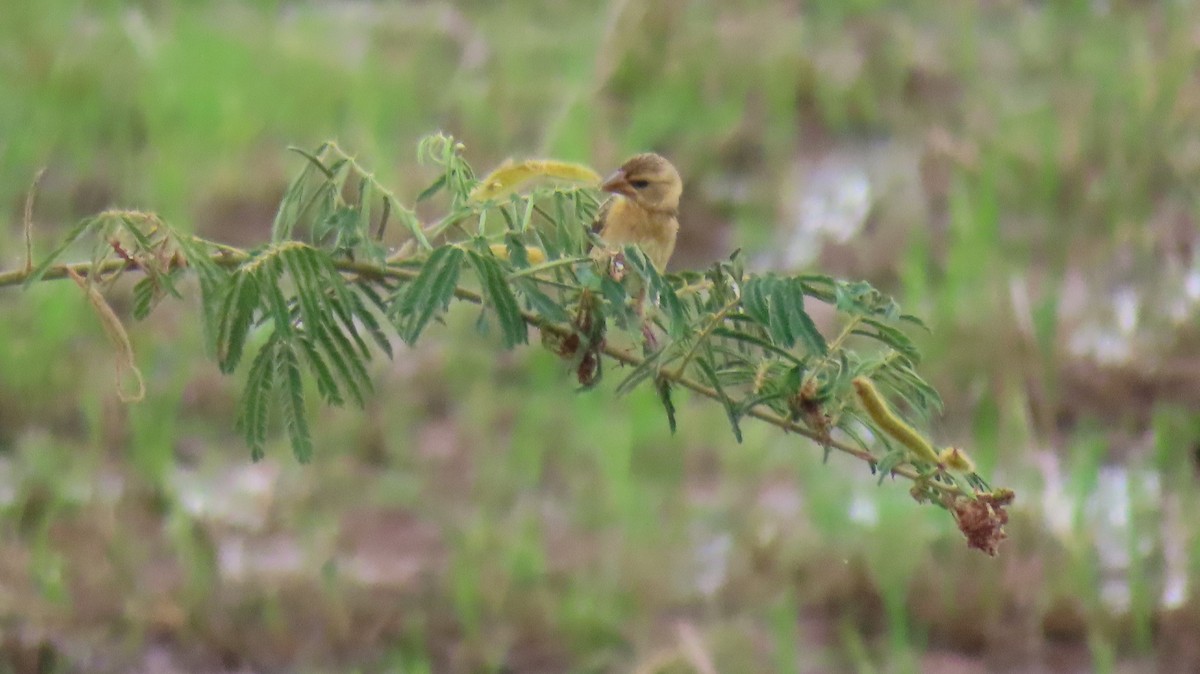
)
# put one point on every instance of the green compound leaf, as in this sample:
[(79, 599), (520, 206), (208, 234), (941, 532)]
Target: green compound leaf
[(82, 227), (295, 419), (731, 407), (800, 324), (429, 294), (499, 297), (540, 302), (242, 299), (255, 403)]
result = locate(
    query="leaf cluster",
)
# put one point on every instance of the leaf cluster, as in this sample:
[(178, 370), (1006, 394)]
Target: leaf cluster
[(312, 316), (311, 308)]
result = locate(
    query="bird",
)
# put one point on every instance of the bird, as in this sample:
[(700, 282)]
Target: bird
[(643, 208)]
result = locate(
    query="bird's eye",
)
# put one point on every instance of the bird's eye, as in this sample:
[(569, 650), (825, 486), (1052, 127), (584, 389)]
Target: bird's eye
[(639, 184)]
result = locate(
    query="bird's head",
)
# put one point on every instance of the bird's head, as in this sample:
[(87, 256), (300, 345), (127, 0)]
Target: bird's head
[(648, 180)]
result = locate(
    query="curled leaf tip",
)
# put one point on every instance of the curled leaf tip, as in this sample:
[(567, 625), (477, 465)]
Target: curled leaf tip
[(877, 408), (510, 176)]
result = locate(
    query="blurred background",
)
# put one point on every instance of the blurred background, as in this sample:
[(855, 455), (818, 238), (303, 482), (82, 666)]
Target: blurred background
[(1020, 174)]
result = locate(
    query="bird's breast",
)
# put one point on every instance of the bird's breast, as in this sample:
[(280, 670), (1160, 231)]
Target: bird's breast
[(627, 223)]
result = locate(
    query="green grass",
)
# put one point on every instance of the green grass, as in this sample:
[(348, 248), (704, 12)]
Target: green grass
[(559, 529)]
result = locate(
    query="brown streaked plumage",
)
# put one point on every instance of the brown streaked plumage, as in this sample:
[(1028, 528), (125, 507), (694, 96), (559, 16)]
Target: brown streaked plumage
[(644, 207)]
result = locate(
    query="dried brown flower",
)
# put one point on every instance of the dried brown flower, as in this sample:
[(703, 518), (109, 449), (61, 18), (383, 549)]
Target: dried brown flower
[(982, 519)]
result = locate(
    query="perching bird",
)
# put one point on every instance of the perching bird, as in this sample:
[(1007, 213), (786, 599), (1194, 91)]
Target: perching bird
[(644, 207)]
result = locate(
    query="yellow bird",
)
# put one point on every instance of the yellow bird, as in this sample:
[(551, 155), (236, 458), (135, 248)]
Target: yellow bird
[(644, 207)]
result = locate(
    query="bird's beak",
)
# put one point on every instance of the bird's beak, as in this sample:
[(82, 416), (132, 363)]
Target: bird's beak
[(618, 184)]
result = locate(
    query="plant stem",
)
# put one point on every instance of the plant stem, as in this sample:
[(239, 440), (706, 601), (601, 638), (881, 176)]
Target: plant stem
[(832, 349), (560, 262), (232, 257), (712, 325)]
